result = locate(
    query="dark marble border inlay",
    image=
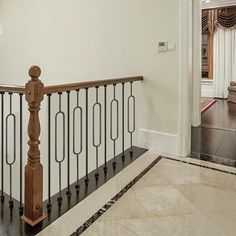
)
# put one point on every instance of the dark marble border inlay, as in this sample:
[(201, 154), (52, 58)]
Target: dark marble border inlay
[(102, 210), (199, 165), (213, 158)]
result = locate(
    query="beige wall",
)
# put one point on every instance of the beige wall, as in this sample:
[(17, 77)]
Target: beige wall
[(81, 40)]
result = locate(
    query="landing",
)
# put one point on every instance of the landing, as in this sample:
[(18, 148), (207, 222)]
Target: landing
[(173, 198)]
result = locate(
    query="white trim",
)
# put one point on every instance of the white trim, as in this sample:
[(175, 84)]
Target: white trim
[(158, 141), (207, 89), (218, 4), (196, 91), (185, 75)]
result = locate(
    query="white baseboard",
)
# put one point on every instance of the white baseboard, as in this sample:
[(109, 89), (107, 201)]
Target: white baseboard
[(158, 141), (207, 90)]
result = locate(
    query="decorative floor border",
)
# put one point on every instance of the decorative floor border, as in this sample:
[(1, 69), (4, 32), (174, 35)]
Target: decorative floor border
[(199, 165), (102, 210), (213, 159)]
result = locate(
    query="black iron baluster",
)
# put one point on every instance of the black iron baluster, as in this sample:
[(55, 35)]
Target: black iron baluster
[(131, 130), (68, 192), (77, 153), (49, 204), (123, 121), (97, 144), (86, 136), (21, 153), (2, 146), (112, 136), (59, 161), (9, 162), (105, 129)]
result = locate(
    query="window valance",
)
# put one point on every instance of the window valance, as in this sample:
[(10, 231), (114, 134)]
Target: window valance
[(218, 18)]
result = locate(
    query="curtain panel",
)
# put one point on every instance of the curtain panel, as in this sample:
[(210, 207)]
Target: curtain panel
[(218, 18), (224, 68)]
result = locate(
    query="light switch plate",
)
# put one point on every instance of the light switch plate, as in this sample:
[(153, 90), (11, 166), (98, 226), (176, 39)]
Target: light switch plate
[(171, 46)]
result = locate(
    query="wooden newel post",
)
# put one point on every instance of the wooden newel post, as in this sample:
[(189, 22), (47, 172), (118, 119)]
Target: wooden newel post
[(34, 170)]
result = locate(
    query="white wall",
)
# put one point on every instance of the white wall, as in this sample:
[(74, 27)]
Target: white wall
[(84, 40), (80, 40)]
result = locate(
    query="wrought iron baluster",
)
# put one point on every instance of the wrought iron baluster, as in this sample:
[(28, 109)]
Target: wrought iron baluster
[(99, 141), (2, 147), (123, 121), (49, 204), (21, 154), (59, 161), (113, 137), (105, 129), (68, 192), (131, 127), (86, 135), (77, 153), (11, 162)]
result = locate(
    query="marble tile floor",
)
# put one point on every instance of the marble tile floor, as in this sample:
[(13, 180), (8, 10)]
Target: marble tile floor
[(174, 198), (78, 215)]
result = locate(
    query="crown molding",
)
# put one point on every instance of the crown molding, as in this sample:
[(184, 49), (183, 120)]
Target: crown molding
[(217, 4)]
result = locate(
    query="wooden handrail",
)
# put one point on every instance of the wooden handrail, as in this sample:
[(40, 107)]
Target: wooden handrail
[(88, 84), (71, 86), (12, 89)]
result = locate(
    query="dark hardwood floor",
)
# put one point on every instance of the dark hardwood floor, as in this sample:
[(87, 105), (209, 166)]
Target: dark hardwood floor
[(215, 139), (222, 115)]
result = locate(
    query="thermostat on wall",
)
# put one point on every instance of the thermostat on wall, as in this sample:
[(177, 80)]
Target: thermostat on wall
[(165, 46)]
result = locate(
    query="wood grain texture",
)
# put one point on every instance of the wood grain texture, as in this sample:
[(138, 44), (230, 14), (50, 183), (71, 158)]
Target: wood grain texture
[(215, 140), (12, 89), (88, 84), (68, 87), (34, 169)]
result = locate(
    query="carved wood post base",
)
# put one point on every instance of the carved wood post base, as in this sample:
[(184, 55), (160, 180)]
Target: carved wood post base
[(34, 209)]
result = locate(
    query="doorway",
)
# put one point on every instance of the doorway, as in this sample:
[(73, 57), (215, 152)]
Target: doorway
[(214, 139)]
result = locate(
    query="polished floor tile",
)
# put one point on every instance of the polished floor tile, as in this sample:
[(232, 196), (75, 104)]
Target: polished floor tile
[(173, 198), (73, 219), (164, 201), (185, 225), (228, 219), (209, 199)]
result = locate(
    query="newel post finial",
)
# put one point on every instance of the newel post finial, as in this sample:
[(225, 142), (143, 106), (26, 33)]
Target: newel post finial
[(34, 170), (34, 72)]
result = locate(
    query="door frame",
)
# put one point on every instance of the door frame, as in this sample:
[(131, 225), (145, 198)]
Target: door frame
[(190, 72)]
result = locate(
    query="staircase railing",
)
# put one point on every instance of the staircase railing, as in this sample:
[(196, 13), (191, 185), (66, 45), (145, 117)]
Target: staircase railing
[(89, 116)]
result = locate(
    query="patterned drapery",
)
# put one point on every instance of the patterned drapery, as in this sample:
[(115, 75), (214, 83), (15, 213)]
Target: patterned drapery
[(218, 18)]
